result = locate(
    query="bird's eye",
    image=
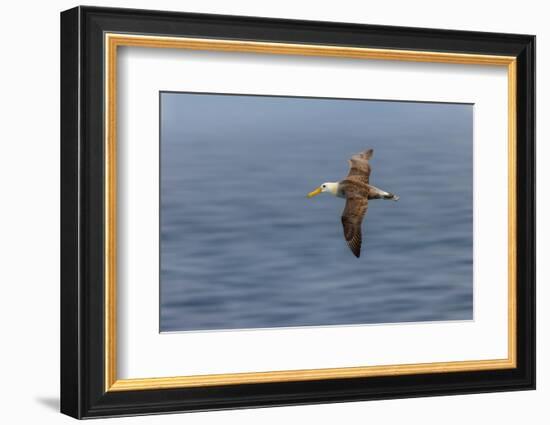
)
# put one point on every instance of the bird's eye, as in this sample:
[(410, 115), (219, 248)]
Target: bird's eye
[(324, 186)]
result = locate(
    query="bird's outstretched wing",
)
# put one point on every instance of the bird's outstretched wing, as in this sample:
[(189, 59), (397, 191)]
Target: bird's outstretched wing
[(359, 165), (352, 217)]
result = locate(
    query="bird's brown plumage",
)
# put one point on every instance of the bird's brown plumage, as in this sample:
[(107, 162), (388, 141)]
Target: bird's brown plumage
[(352, 218), (359, 166), (355, 187)]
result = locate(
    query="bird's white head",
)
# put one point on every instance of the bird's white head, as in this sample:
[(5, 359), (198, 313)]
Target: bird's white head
[(328, 187)]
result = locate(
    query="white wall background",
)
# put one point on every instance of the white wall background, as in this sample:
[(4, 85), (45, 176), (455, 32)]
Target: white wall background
[(29, 224)]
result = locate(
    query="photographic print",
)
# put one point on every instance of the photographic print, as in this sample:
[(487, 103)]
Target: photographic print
[(246, 243), (311, 197)]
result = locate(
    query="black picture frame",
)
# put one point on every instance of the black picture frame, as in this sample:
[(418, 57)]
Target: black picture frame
[(83, 392)]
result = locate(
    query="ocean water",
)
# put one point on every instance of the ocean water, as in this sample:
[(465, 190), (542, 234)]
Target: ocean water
[(242, 247)]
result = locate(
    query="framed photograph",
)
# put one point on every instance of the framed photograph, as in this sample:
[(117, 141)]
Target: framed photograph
[(261, 212)]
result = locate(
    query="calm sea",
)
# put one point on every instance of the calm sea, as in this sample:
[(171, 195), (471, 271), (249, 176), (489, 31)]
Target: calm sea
[(242, 246)]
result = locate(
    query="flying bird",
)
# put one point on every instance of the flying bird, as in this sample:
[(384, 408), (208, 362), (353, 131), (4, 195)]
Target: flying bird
[(357, 191)]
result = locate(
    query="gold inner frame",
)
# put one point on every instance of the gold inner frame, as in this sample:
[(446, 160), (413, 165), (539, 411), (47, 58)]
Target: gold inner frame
[(113, 41)]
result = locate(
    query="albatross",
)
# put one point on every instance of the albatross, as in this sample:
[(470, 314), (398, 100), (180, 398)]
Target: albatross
[(357, 191)]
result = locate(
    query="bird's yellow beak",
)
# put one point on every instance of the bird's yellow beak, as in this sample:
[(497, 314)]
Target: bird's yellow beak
[(314, 193)]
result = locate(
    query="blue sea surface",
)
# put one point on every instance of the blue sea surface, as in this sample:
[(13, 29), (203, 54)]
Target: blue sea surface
[(242, 247)]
